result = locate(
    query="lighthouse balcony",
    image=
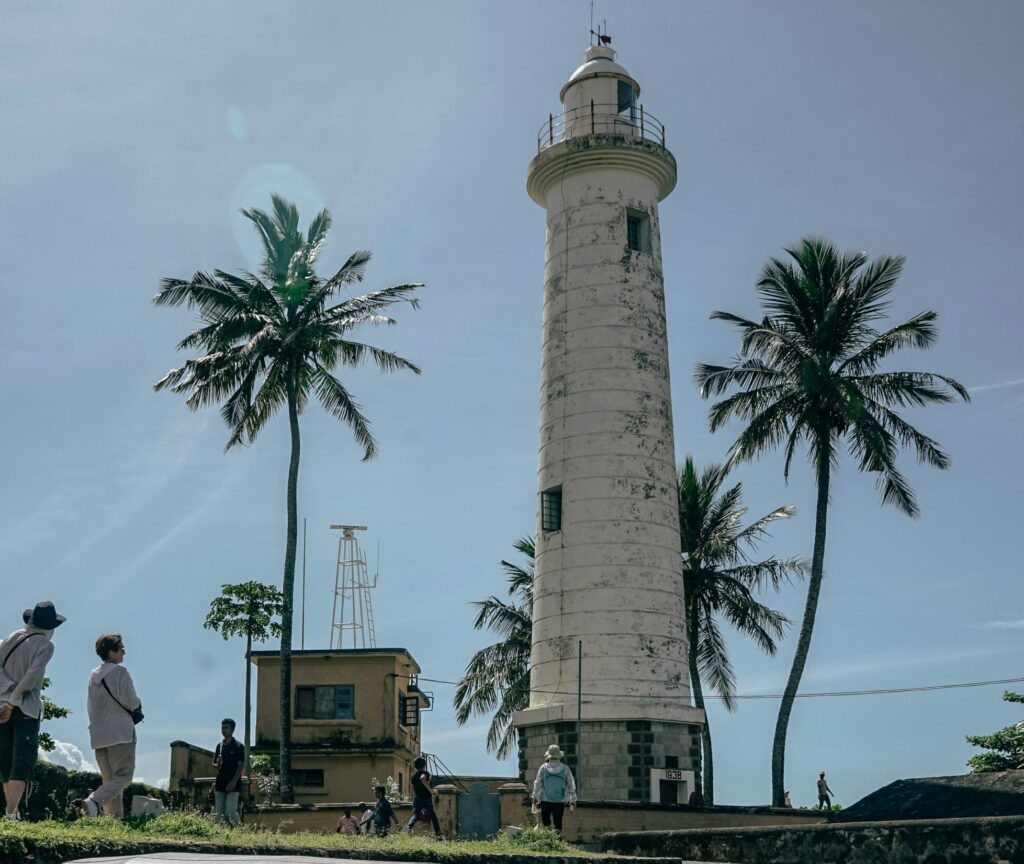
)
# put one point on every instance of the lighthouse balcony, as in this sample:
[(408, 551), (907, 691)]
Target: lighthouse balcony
[(601, 119)]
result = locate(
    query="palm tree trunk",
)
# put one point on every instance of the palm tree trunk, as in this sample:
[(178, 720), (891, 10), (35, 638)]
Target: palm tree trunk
[(707, 786), (248, 714), (803, 644), (288, 589)]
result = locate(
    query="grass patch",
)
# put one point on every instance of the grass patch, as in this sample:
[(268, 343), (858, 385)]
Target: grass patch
[(52, 842)]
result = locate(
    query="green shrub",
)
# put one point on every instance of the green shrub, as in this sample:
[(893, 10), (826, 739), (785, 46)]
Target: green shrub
[(534, 840), (178, 823)]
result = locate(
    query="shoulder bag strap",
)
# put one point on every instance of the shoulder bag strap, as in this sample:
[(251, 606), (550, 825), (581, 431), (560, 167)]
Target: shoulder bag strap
[(112, 696), (14, 647)]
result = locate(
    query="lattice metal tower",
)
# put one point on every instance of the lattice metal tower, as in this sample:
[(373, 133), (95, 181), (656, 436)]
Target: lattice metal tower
[(353, 606)]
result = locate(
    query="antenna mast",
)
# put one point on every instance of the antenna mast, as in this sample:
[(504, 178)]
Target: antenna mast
[(353, 606)]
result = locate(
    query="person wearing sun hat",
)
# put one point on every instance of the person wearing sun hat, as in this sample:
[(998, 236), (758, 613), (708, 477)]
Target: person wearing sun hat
[(23, 658), (554, 787)]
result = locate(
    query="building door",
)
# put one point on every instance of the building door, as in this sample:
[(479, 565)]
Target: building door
[(478, 813), (668, 792)]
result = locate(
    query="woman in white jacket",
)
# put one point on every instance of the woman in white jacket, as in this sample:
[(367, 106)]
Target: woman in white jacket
[(112, 699), (554, 787)]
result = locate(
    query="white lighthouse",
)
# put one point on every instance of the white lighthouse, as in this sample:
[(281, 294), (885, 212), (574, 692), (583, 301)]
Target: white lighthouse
[(608, 570)]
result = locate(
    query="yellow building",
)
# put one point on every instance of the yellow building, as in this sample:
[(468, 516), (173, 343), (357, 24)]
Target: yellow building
[(355, 716)]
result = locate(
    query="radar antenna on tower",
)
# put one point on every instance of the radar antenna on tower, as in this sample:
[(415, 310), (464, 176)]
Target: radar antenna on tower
[(353, 605)]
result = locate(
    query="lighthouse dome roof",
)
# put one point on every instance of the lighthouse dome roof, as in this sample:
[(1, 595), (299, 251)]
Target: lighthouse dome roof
[(599, 61)]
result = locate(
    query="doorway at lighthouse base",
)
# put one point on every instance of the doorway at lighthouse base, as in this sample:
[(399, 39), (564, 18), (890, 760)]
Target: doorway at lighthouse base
[(646, 761)]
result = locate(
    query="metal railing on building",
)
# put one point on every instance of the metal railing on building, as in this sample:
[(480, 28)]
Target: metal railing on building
[(601, 119)]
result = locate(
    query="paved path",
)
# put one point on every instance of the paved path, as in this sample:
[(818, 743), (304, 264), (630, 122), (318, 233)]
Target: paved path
[(179, 857)]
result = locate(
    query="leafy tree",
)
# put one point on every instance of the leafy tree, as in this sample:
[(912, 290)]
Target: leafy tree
[(719, 580), (1006, 746), (808, 374), (497, 677), (270, 341), (51, 711), (246, 609)]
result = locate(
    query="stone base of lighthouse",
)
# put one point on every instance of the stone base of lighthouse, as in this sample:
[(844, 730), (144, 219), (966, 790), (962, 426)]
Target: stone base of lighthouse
[(645, 761)]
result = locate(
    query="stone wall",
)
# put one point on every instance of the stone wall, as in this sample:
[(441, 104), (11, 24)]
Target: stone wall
[(938, 841), (620, 756), (591, 820)]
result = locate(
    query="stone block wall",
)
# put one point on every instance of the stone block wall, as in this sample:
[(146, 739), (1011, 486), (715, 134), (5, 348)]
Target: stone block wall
[(617, 755), (979, 840)]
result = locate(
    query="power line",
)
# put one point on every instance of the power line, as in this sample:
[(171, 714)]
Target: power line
[(881, 691)]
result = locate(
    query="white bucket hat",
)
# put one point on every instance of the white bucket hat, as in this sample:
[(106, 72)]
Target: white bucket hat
[(554, 752)]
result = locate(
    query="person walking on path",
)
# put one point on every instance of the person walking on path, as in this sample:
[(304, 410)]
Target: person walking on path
[(23, 658), (347, 823), (824, 802), (229, 757), (383, 813), (366, 820), (423, 798), (113, 708), (554, 788)]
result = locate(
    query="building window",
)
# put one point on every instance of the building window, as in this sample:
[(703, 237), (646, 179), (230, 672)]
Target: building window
[(408, 710), (336, 702), (638, 231), (312, 777), (551, 510), (627, 100), (671, 761)]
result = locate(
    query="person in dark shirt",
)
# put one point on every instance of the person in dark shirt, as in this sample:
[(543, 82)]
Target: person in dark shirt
[(383, 813), (423, 798), (229, 757)]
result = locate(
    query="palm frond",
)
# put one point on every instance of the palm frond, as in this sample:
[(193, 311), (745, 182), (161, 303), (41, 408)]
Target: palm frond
[(713, 662), (339, 403)]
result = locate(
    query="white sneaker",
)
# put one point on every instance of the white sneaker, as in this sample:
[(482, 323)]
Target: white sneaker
[(15, 816), (91, 807)]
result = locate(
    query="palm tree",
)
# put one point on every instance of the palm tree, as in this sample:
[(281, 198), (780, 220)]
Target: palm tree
[(808, 373), (498, 677), (246, 609), (719, 580), (270, 341)]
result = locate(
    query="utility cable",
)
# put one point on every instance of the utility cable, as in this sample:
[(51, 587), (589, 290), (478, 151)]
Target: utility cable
[(881, 691)]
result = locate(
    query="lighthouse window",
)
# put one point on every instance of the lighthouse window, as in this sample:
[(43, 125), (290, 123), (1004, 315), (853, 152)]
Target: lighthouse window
[(638, 231), (627, 100), (551, 510)]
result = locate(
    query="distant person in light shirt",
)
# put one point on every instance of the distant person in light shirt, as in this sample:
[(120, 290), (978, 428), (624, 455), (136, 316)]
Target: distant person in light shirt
[(824, 802), (347, 824)]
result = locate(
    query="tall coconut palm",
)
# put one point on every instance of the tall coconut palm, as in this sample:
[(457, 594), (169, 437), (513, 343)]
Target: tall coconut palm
[(270, 341), (720, 579), (808, 374), (497, 677)]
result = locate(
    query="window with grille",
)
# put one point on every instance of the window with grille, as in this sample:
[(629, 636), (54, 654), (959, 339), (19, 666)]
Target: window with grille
[(333, 702), (408, 710), (551, 510), (638, 231), (312, 777)]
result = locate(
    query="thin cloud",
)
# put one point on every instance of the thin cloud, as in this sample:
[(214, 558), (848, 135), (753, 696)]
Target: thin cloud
[(826, 674), (1004, 625), (997, 385)]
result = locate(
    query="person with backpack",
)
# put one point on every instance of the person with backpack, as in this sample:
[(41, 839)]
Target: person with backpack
[(114, 709), (423, 799), (554, 788), (23, 658)]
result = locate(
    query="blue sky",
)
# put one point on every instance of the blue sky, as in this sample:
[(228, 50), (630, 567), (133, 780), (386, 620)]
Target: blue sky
[(132, 133)]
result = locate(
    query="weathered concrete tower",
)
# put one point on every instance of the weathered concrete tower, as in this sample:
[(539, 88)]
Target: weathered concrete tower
[(608, 566)]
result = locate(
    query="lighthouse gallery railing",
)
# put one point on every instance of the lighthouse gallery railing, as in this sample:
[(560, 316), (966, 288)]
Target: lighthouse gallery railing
[(600, 119)]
